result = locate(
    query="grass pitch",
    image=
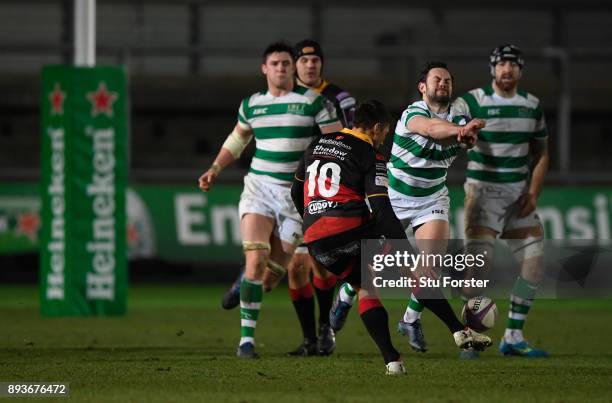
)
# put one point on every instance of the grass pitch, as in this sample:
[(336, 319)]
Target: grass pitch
[(177, 345)]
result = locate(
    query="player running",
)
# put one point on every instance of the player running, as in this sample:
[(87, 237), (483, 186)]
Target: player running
[(281, 119), (505, 174), (309, 65), (425, 144), (336, 175)]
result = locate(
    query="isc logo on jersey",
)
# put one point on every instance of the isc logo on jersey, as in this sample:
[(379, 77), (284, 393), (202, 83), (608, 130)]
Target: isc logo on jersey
[(317, 207), (260, 111)]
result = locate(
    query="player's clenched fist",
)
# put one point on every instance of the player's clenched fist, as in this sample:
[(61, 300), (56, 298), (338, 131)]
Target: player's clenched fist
[(468, 134), (207, 179)]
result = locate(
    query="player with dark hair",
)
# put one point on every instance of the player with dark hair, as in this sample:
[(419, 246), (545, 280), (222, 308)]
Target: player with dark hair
[(281, 119), (506, 170), (309, 65), (309, 68), (338, 172), (425, 144)]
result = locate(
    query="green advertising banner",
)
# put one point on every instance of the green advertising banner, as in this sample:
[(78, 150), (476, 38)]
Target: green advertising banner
[(83, 254), (181, 224)]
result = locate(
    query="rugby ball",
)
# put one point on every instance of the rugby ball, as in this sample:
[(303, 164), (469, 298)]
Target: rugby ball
[(479, 313)]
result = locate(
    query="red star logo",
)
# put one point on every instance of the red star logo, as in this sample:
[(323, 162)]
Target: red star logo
[(102, 100), (132, 233), (28, 224), (57, 98)]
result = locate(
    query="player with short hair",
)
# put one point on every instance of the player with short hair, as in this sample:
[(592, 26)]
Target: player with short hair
[(281, 118), (338, 172), (309, 68), (309, 65), (505, 173), (425, 144)]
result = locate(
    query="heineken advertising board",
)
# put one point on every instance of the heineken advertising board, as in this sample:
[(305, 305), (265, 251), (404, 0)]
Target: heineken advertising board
[(83, 181), (182, 224)]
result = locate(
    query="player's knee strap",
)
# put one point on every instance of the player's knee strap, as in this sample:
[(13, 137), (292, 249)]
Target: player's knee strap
[(480, 244), (276, 268), (301, 248), (527, 248), (248, 245)]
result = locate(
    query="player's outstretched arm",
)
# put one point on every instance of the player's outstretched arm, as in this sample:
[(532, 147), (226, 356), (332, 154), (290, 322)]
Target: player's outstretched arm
[(435, 128), (234, 145)]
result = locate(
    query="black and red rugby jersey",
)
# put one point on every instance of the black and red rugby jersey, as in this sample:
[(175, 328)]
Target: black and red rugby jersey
[(338, 171)]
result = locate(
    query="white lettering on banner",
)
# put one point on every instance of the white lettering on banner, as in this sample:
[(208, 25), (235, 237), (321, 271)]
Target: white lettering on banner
[(602, 217), (190, 221), (101, 281), (578, 223), (221, 216), (187, 216), (551, 219), (56, 190)]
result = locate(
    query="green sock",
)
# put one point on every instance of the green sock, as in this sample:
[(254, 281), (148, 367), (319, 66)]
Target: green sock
[(251, 295), (521, 299)]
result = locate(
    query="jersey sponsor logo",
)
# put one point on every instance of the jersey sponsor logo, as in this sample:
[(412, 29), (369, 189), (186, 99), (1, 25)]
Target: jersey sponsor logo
[(335, 143), (296, 109), (260, 111), (320, 206), (523, 112), (494, 112), (331, 152)]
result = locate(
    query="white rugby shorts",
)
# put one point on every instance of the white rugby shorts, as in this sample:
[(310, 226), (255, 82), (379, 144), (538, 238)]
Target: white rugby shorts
[(415, 211), (496, 206), (274, 201)]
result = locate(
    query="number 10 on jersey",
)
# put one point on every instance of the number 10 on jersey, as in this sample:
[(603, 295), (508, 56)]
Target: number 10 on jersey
[(319, 178)]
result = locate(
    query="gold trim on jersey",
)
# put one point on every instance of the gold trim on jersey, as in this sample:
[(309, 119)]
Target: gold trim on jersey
[(321, 88), (359, 135)]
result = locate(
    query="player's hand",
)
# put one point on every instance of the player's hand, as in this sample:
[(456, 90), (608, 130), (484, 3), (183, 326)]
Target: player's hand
[(207, 179), (467, 140), (528, 204), (468, 134), (472, 128)]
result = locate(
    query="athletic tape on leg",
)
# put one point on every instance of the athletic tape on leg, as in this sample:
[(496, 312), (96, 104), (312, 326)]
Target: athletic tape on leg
[(276, 268), (248, 245), (527, 248)]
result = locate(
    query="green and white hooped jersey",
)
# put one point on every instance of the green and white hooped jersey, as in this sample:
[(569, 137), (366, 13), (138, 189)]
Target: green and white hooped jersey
[(283, 127), (501, 154), (418, 164)]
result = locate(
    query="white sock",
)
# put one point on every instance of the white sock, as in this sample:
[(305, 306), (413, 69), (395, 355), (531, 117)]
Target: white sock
[(247, 340), (411, 314), (347, 294), (513, 336)]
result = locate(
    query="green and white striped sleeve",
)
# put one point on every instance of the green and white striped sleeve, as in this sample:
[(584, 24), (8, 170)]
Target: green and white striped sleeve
[(242, 114)]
